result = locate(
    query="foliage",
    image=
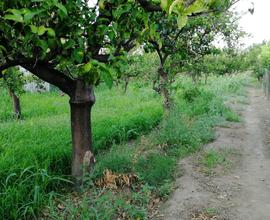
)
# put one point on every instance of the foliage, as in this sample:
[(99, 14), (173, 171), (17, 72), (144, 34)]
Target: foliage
[(223, 63), (26, 145), (13, 80), (256, 59), (212, 158)]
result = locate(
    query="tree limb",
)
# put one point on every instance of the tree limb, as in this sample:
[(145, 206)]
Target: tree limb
[(150, 7), (52, 76)]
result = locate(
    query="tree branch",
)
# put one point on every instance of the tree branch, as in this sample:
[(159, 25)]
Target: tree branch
[(150, 7), (52, 76)]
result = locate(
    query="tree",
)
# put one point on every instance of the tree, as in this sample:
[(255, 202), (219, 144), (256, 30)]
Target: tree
[(183, 47), (73, 46), (13, 81)]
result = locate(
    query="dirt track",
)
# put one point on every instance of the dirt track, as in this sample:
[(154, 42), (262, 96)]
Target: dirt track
[(241, 191)]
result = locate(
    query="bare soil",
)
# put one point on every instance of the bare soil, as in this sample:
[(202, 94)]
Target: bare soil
[(239, 191)]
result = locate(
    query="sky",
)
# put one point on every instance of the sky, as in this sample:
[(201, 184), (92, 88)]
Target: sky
[(258, 23)]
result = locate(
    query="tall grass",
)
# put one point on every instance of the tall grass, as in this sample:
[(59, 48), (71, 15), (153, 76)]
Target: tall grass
[(35, 153), (187, 127)]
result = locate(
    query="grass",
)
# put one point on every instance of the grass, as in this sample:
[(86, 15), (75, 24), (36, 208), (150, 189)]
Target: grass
[(153, 158), (212, 159), (35, 153)]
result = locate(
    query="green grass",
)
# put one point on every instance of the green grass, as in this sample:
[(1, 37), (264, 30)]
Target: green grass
[(155, 169), (35, 154), (41, 143), (212, 159), (187, 127)]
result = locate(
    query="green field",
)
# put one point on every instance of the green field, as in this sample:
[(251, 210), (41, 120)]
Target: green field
[(42, 141), (35, 153)]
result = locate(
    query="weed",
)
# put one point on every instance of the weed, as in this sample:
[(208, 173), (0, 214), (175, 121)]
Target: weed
[(155, 169), (212, 158)]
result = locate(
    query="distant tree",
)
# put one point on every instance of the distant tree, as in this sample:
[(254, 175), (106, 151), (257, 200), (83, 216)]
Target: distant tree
[(179, 48), (13, 80)]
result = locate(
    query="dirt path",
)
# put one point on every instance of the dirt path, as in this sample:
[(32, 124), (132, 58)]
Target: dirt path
[(241, 191)]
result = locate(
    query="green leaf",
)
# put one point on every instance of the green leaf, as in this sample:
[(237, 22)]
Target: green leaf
[(14, 17), (2, 48), (107, 77), (164, 4), (41, 30), (87, 67), (176, 5), (30, 14), (61, 7), (197, 7), (14, 11), (63, 40), (43, 45), (182, 21), (77, 55), (34, 29), (51, 32)]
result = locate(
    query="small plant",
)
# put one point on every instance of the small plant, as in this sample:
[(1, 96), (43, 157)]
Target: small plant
[(231, 116), (117, 161), (155, 169), (191, 94), (211, 211), (212, 158)]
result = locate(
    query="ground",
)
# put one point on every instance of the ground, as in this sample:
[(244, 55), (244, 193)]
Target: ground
[(238, 188)]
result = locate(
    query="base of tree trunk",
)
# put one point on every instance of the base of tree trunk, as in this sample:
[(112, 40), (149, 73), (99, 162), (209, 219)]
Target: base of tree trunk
[(82, 154)]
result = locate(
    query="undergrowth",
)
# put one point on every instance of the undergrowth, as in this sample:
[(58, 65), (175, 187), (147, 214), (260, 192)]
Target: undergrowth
[(35, 153), (153, 158), (42, 145)]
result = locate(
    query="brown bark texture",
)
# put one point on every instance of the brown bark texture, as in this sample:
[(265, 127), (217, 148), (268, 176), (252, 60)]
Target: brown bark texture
[(16, 105)]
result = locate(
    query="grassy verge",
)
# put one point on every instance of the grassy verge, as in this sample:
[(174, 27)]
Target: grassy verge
[(130, 179)]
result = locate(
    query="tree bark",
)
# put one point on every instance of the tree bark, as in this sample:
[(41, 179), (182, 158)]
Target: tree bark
[(163, 88), (16, 105), (81, 103), (126, 84)]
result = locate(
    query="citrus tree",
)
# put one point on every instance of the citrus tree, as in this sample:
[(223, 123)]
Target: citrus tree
[(73, 45), (183, 47)]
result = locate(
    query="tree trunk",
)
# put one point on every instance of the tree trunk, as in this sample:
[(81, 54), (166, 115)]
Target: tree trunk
[(81, 102), (164, 90), (16, 105), (126, 84)]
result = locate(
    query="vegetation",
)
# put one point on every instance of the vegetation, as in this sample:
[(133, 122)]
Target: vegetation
[(36, 151), (34, 166), (75, 60), (121, 156)]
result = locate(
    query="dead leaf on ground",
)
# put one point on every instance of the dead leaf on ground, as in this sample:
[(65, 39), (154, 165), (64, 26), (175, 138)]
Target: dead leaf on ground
[(112, 180)]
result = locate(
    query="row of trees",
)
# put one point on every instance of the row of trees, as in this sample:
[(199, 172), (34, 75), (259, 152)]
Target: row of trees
[(74, 46)]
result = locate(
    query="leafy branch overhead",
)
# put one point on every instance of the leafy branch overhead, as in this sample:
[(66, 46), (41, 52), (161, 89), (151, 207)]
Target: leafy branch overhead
[(72, 34)]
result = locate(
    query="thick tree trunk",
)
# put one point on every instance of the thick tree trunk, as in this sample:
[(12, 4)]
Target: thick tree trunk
[(81, 103), (16, 105)]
